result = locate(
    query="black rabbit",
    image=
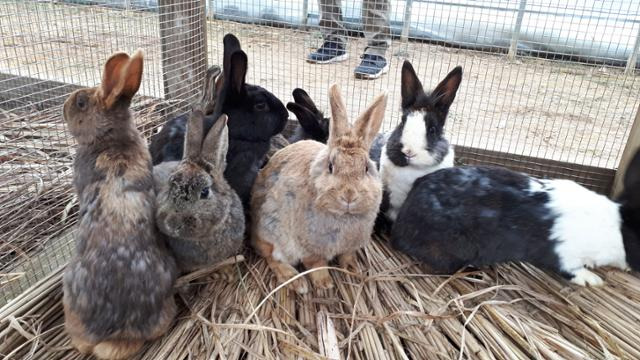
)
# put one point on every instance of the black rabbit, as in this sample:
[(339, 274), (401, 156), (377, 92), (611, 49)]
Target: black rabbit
[(312, 124), (255, 116), (482, 215)]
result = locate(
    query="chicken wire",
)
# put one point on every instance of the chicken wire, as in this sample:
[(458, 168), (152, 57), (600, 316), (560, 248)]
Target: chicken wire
[(48, 50), (541, 102)]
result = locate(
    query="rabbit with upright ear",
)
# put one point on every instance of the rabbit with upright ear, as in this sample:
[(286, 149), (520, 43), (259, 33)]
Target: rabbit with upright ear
[(312, 124), (313, 202), (255, 116), (118, 288), (417, 146), (482, 215), (197, 209)]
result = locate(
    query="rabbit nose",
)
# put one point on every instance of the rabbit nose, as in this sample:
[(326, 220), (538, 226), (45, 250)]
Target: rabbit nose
[(190, 221), (349, 197), (408, 153)]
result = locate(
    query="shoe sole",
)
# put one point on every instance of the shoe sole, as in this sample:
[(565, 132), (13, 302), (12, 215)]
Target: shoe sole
[(336, 59), (384, 70)]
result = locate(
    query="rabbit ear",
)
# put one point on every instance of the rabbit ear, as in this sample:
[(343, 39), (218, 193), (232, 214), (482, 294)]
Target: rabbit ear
[(632, 173), (216, 144), (339, 123), (411, 85), (193, 140), (446, 91), (231, 45), (307, 119), (302, 98), (121, 77), (209, 91), (368, 124), (238, 71)]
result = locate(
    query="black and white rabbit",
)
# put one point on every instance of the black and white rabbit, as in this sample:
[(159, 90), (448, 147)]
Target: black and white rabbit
[(255, 116), (416, 146), (312, 124), (482, 215)]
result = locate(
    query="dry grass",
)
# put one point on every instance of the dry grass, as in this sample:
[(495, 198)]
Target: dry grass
[(390, 311)]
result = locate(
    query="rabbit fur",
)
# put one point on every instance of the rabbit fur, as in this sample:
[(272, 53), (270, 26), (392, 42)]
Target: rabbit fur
[(118, 287), (313, 202)]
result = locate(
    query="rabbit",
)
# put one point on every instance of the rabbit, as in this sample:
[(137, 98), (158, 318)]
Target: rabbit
[(313, 202), (255, 116), (197, 210), (118, 287), (483, 215), (417, 145), (312, 124)]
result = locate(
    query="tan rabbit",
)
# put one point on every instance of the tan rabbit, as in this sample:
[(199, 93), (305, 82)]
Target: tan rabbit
[(313, 202), (118, 288)]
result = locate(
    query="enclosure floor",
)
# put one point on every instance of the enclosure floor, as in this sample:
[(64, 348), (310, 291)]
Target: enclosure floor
[(389, 311)]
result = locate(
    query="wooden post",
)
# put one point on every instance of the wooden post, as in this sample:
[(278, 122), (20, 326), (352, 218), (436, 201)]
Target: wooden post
[(513, 49), (183, 39), (633, 144)]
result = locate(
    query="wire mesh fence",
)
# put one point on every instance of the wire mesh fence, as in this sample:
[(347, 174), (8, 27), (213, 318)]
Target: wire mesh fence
[(546, 85), (47, 50)]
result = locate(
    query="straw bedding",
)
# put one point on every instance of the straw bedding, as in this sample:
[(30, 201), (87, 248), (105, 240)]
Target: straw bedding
[(392, 310)]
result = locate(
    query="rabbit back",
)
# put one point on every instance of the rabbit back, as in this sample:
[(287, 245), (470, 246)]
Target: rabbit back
[(120, 282), (485, 215)]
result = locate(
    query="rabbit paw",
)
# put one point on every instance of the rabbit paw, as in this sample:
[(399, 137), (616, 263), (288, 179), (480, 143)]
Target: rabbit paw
[(348, 262), (284, 272), (584, 277), (321, 279), (300, 286)]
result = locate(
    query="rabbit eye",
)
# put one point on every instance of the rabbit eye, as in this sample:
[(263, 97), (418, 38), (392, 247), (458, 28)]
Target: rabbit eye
[(330, 167), (261, 106), (366, 169), (432, 130), (204, 193)]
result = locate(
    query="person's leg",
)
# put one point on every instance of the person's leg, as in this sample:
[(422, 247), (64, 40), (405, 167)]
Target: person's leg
[(334, 47), (375, 17)]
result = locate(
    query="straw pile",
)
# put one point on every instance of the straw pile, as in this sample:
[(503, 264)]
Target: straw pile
[(389, 311)]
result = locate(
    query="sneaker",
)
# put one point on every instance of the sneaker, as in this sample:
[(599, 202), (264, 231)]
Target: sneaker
[(329, 52), (371, 67)]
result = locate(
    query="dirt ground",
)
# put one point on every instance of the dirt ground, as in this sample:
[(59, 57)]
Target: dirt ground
[(550, 109)]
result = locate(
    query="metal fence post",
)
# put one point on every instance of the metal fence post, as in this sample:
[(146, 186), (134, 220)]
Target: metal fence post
[(305, 13), (404, 36), (406, 24), (184, 47), (513, 49), (633, 58)]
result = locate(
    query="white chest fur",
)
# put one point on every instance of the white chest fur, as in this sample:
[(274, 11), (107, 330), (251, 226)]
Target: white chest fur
[(398, 180)]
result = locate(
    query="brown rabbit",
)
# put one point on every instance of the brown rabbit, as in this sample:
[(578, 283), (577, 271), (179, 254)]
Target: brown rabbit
[(313, 202), (118, 289)]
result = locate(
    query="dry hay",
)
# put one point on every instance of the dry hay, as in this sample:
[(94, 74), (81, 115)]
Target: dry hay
[(390, 311)]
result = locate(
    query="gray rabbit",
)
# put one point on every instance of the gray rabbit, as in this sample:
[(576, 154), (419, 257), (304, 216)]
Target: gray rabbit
[(196, 207)]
